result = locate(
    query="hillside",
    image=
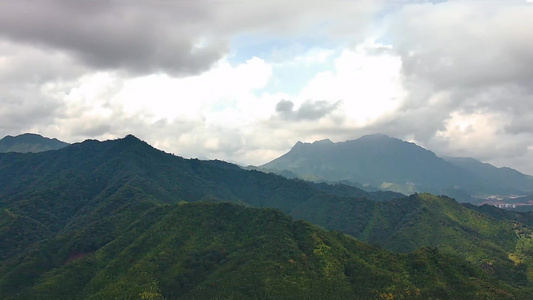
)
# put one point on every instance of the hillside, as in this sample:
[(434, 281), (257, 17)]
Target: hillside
[(49, 190), (393, 164), (29, 142), (208, 251), (494, 239), (489, 173), (94, 217)]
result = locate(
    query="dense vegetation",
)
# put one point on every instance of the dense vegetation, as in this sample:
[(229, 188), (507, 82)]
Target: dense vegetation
[(43, 192), (225, 251), (497, 242), (103, 219)]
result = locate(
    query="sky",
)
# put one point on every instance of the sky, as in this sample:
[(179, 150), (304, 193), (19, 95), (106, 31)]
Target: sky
[(243, 81)]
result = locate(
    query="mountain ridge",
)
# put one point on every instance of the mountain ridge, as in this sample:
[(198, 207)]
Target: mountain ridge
[(392, 164), (30, 142), (71, 212)]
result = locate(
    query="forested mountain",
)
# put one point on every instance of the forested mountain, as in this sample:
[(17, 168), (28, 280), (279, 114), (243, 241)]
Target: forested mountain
[(525, 218), (71, 186), (96, 220), (29, 142), (225, 251), (393, 164), (500, 241)]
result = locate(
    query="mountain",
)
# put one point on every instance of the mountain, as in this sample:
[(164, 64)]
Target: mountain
[(508, 177), (96, 220), (29, 142), (497, 240), (393, 164), (226, 251), (49, 190)]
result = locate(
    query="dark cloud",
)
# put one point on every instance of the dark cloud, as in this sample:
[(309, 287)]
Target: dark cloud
[(457, 44), (284, 107), (20, 112), (309, 110), (176, 37), (23, 65), (139, 37), (465, 57)]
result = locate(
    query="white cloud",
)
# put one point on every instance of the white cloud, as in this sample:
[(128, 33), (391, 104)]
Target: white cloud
[(201, 115), (367, 80), (206, 95), (455, 76)]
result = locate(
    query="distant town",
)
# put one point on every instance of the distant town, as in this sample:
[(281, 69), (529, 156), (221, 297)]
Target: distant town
[(509, 202)]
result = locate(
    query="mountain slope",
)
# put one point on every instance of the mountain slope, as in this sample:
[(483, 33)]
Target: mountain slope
[(489, 173), (501, 246), (29, 142), (41, 193), (221, 251), (64, 205), (390, 164)]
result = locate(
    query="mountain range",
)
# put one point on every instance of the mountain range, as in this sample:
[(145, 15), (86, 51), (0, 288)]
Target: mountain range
[(29, 142), (392, 164), (120, 219)]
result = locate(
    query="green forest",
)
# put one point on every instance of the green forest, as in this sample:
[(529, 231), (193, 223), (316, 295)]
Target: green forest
[(122, 220)]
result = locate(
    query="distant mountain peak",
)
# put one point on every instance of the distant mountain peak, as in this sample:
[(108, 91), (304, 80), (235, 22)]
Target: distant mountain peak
[(30, 142), (29, 136), (131, 137), (321, 144), (394, 164), (377, 136), (298, 145), (324, 141), (130, 141)]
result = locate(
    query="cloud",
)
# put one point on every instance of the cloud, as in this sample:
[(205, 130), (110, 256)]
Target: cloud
[(285, 107), (204, 115), (244, 81), (309, 110), (447, 65), (467, 68), (24, 73), (465, 44), (102, 69), (175, 37), (20, 112), (134, 36)]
